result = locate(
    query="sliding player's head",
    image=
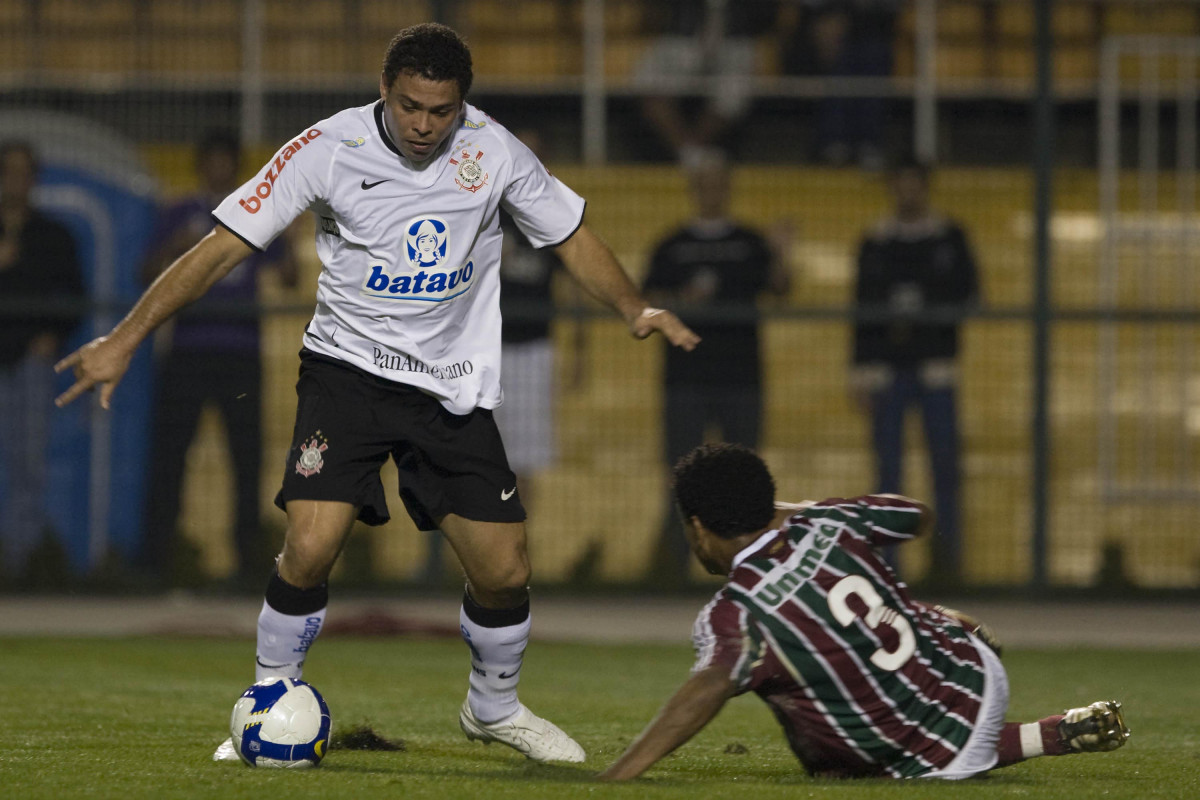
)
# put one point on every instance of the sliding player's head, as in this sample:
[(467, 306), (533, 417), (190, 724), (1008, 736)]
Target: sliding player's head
[(426, 76), (723, 492)]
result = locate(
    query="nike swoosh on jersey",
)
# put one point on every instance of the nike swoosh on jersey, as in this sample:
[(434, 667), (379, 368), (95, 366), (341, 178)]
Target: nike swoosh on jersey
[(505, 494), (509, 674), (366, 185)]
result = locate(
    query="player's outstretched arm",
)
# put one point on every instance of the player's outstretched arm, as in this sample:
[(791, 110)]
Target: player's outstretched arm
[(928, 519), (592, 263), (103, 361), (691, 708)]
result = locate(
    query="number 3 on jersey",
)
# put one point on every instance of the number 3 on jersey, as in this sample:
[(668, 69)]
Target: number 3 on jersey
[(877, 615)]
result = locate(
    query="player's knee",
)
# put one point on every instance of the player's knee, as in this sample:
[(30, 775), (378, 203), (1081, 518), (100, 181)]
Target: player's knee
[(513, 577), (503, 581), (303, 565)]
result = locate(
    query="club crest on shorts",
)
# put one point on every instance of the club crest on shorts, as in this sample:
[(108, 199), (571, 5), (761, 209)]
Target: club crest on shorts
[(470, 173), (311, 459)]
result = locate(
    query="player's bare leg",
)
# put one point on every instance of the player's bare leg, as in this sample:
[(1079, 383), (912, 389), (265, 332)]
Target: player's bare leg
[(1097, 728), (293, 610), (495, 624)]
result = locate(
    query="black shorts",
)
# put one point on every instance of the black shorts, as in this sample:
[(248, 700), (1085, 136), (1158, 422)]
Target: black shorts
[(347, 424)]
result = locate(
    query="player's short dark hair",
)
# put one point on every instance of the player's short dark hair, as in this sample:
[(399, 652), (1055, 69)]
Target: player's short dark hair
[(431, 50), (219, 140), (727, 486), (19, 146)]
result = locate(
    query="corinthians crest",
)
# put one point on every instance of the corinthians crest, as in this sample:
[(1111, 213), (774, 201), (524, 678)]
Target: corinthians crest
[(311, 460), (470, 173)]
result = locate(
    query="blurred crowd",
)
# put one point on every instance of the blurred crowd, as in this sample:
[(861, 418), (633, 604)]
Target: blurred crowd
[(916, 279)]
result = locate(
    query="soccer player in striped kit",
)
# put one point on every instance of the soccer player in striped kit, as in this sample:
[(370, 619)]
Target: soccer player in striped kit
[(865, 681)]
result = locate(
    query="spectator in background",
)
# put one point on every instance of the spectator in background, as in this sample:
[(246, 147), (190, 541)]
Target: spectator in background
[(711, 272), (917, 267), (41, 286), (708, 40), (212, 355), (844, 38), (526, 417)]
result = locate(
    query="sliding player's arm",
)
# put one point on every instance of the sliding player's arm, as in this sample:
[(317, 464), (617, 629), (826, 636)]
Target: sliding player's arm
[(926, 520), (691, 708), (103, 361), (887, 519), (592, 263), (969, 623)]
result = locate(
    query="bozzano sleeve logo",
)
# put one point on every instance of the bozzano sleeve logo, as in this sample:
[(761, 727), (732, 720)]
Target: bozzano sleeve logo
[(253, 203)]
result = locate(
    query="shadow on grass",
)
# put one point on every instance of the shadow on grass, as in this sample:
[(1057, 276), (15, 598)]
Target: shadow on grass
[(552, 773)]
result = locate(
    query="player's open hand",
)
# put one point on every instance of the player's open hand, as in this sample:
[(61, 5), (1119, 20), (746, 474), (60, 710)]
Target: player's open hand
[(666, 323), (101, 362)]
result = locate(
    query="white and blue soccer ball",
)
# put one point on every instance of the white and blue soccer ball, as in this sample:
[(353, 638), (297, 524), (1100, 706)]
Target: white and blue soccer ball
[(280, 722)]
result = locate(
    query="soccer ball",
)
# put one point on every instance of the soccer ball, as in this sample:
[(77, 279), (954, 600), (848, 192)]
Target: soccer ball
[(280, 722)]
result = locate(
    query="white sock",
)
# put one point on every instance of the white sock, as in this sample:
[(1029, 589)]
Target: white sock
[(283, 642), (496, 655), (1031, 740)]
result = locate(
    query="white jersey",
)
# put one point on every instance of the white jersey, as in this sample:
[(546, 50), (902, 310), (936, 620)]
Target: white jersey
[(410, 284)]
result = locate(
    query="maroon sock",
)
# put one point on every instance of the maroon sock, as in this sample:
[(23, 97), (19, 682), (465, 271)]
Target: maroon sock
[(1012, 749), (1009, 748), (1050, 741)]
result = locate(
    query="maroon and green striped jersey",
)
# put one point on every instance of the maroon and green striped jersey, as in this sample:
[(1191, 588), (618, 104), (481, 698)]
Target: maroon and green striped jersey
[(864, 680)]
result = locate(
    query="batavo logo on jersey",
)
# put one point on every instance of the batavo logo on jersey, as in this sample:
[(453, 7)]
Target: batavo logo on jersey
[(253, 203), (426, 243)]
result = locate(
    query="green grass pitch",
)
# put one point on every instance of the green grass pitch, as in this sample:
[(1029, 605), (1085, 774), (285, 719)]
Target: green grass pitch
[(139, 718)]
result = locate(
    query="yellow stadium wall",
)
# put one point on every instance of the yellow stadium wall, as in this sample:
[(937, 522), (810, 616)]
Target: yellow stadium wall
[(608, 488)]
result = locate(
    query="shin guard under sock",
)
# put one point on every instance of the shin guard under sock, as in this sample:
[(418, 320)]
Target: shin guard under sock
[(289, 623), (497, 638)]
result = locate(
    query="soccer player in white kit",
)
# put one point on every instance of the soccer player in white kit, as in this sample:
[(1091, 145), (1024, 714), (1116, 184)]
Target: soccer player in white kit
[(402, 356)]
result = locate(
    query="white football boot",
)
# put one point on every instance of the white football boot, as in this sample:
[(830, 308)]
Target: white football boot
[(525, 732), (225, 752), (1097, 728)]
